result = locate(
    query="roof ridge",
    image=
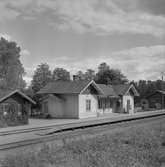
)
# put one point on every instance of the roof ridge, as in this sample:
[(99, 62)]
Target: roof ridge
[(63, 87), (10, 93)]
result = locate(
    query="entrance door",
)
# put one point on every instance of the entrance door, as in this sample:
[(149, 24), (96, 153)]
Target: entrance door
[(128, 105)]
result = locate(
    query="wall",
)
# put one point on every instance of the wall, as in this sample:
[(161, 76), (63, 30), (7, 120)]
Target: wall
[(56, 107), (131, 98), (63, 106), (70, 105), (82, 105)]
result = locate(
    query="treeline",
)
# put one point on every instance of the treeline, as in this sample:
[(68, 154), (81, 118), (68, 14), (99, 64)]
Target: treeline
[(146, 88), (104, 75), (12, 72)]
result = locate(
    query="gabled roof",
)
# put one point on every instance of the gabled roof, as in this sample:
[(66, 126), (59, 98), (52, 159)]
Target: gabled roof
[(67, 87), (161, 91), (157, 91), (77, 87), (108, 90), (6, 94), (123, 89)]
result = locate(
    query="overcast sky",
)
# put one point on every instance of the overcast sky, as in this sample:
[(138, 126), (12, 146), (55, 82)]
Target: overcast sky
[(80, 34)]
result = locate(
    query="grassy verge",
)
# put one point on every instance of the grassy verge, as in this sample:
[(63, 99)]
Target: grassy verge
[(137, 147)]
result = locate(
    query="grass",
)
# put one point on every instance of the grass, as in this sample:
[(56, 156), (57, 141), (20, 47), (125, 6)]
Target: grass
[(136, 147)]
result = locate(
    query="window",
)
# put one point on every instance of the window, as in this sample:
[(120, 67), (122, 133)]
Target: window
[(104, 103), (4, 108), (88, 105)]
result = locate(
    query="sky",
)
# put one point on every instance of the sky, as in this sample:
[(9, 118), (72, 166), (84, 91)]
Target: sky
[(80, 34)]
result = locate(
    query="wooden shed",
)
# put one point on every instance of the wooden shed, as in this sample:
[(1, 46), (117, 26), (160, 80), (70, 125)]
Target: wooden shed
[(15, 108), (157, 99)]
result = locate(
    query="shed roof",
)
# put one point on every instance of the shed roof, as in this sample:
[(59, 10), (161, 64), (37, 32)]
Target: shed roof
[(8, 93), (161, 91), (157, 91)]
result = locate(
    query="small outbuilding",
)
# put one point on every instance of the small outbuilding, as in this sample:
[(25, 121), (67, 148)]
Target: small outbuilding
[(156, 99), (15, 108)]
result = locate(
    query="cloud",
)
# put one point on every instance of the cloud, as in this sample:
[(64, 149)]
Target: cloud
[(155, 7), (25, 55), (6, 13), (136, 63), (25, 52), (28, 80), (142, 62), (29, 75), (103, 17), (6, 36)]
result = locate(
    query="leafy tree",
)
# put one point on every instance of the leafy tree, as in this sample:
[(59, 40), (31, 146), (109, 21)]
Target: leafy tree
[(103, 67), (11, 68), (61, 74), (146, 88), (107, 76), (41, 77), (79, 76), (90, 74)]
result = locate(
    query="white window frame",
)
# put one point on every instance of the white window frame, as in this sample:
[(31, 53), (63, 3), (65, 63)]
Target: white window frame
[(88, 105)]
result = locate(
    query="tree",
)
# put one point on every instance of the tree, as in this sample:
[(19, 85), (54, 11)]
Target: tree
[(79, 76), (61, 74), (107, 76), (11, 68), (90, 74), (41, 77), (146, 88), (103, 67)]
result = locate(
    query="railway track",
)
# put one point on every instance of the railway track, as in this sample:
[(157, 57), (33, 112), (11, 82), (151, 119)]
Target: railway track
[(60, 132)]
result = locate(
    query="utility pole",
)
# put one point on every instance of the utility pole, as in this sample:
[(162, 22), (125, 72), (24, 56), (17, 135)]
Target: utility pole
[(162, 74)]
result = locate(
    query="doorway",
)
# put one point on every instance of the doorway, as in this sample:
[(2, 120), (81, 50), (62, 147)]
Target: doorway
[(128, 106)]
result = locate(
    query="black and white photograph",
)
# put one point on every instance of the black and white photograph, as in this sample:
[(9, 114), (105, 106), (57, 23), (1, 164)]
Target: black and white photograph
[(82, 83)]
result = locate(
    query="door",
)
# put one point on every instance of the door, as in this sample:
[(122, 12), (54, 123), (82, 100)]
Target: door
[(128, 106)]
